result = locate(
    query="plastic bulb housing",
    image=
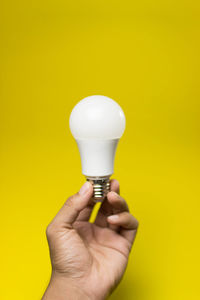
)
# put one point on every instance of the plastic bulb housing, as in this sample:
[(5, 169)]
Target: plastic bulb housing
[(97, 123)]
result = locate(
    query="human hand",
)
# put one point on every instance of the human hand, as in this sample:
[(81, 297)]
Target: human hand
[(89, 259)]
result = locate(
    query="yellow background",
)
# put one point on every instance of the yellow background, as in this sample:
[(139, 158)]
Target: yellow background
[(143, 54)]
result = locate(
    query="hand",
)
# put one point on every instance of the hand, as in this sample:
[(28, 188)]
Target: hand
[(89, 259)]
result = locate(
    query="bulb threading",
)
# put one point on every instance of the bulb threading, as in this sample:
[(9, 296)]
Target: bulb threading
[(101, 186)]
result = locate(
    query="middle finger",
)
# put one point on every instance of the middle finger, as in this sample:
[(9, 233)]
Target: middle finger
[(117, 202)]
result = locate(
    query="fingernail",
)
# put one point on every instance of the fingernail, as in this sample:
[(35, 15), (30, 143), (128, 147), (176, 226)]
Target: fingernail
[(113, 217), (84, 189)]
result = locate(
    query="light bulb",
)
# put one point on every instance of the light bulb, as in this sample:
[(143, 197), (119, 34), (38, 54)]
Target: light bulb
[(97, 123)]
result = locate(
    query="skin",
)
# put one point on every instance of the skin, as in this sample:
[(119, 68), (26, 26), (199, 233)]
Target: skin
[(89, 259)]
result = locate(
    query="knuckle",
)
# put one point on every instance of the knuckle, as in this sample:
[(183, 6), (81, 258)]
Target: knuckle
[(50, 230), (126, 206), (137, 223), (133, 221), (69, 201), (130, 222), (123, 204)]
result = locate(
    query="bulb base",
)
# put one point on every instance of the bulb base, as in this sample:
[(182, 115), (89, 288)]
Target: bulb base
[(101, 186)]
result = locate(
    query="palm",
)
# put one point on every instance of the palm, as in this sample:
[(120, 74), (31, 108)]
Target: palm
[(97, 254), (104, 245)]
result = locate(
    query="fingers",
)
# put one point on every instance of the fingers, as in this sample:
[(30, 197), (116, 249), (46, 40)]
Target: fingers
[(73, 207), (117, 202), (86, 212), (124, 219), (113, 204), (118, 205), (127, 222), (114, 186)]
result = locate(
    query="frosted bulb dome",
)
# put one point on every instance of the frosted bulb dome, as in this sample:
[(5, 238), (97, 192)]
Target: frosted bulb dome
[(97, 117)]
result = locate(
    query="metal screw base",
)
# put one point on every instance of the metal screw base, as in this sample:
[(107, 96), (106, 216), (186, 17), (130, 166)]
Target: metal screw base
[(101, 186)]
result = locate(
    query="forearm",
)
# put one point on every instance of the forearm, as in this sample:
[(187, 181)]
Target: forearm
[(62, 289)]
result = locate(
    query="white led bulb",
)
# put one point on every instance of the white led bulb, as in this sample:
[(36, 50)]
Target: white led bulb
[(97, 123)]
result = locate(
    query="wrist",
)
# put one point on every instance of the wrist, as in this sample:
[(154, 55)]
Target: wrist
[(62, 288)]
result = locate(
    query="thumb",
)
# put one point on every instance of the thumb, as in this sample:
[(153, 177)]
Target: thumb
[(73, 206)]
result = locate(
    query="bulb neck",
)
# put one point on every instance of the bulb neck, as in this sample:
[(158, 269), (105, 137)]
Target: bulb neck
[(101, 186), (97, 156)]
